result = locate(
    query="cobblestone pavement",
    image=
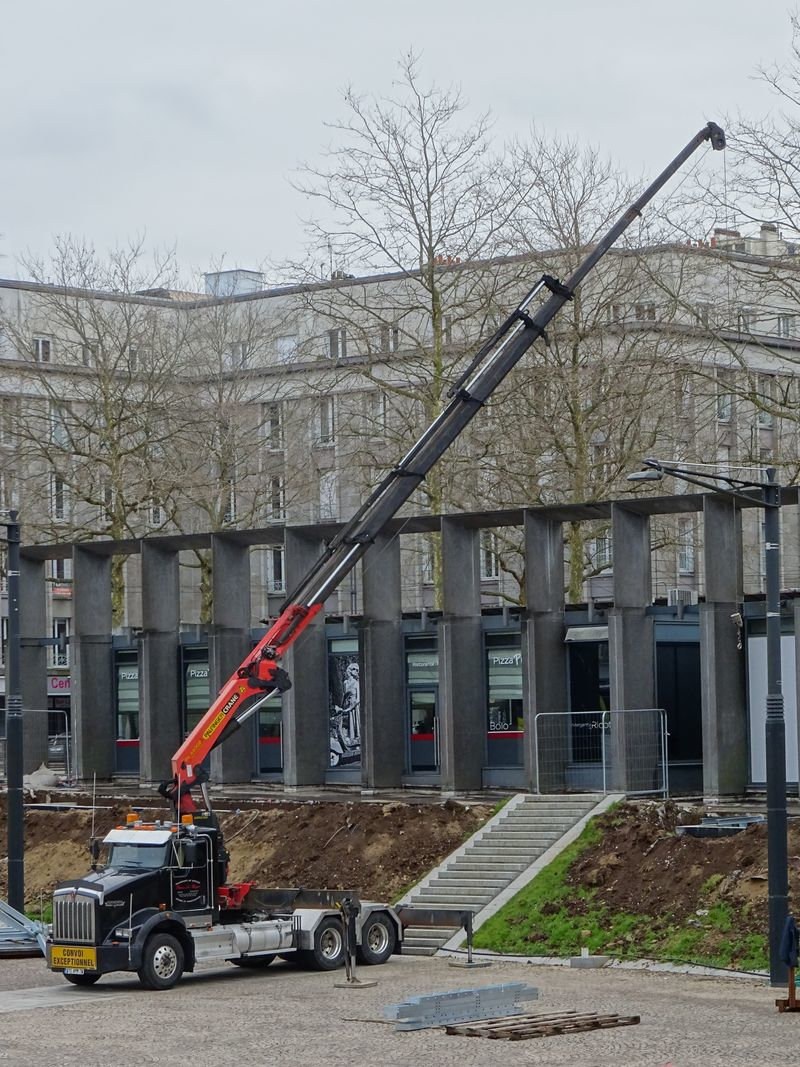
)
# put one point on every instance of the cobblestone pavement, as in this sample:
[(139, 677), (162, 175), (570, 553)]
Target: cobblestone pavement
[(285, 1016)]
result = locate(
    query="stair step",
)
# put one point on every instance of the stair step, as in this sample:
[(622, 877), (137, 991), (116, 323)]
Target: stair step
[(418, 950), (426, 933)]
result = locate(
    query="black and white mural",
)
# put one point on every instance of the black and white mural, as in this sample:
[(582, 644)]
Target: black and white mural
[(344, 703)]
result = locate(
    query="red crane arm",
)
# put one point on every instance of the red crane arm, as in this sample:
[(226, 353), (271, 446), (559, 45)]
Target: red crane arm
[(258, 676)]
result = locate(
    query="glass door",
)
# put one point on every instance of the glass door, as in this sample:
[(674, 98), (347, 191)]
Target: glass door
[(423, 738), (270, 738)]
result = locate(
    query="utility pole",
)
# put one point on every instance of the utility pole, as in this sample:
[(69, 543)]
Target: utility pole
[(775, 736), (16, 831)]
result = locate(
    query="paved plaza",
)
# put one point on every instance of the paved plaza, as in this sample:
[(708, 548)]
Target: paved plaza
[(224, 1015)]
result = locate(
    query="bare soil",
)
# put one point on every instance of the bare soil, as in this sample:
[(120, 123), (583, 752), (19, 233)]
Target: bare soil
[(376, 849), (641, 866)]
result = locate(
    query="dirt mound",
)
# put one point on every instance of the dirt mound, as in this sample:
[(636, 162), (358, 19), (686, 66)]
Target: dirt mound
[(642, 866), (376, 849)]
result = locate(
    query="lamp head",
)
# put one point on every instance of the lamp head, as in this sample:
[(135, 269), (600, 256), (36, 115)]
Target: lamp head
[(648, 475)]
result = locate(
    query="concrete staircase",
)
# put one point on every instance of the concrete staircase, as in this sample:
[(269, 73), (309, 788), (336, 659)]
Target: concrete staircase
[(492, 859)]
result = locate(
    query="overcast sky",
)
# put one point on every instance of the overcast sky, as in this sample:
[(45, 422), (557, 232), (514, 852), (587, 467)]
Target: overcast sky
[(184, 119)]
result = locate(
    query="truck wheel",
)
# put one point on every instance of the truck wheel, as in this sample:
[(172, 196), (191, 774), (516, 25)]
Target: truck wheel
[(328, 951), (254, 962), (162, 962), (83, 979), (377, 939)]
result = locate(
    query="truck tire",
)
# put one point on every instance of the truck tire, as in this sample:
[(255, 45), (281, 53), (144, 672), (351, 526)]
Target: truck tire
[(162, 962), (254, 962), (89, 978), (378, 938), (328, 951)]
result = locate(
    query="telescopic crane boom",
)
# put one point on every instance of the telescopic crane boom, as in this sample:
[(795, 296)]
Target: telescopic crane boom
[(260, 677)]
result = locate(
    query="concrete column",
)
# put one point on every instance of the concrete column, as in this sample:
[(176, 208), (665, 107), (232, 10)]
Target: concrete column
[(383, 713), (462, 692), (631, 641), (159, 692), (229, 642), (93, 726), (544, 659), (33, 662), (305, 706), (722, 665)]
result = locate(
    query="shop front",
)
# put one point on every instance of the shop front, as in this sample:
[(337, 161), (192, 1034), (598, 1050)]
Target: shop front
[(422, 697), (126, 710), (505, 722)]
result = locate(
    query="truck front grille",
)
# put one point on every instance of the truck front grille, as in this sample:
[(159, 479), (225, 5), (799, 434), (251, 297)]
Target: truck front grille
[(74, 918)]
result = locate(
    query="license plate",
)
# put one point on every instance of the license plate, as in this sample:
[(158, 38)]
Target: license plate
[(73, 957), (74, 970)]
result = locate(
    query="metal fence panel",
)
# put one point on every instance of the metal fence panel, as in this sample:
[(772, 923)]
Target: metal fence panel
[(59, 746), (616, 751)]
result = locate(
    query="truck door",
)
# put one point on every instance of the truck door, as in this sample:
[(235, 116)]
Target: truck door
[(190, 886)]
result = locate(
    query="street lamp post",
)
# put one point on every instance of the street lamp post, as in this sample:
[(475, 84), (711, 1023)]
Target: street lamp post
[(14, 742), (768, 496)]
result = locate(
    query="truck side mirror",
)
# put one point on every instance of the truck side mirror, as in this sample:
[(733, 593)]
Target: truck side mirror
[(190, 853), (94, 850)]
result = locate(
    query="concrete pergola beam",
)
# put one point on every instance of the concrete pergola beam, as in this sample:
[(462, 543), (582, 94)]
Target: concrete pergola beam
[(93, 721), (159, 694)]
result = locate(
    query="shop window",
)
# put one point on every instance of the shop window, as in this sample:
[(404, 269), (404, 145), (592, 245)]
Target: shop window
[(344, 703), (505, 724), (59, 653)]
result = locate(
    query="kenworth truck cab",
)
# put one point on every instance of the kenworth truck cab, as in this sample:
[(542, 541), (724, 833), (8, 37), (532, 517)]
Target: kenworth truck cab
[(160, 905)]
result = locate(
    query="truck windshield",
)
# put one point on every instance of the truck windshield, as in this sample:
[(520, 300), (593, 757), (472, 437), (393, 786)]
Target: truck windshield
[(142, 857)]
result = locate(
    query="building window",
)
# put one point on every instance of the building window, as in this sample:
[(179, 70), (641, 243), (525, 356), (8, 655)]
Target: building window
[(273, 426), (328, 496), (107, 505), (765, 396), (59, 653), (603, 551), (787, 325), (6, 419), (42, 349), (390, 338), (59, 430), (490, 561), (286, 347), (155, 514), (60, 570), (58, 498), (337, 343), (326, 429), (616, 313), (132, 356), (237, 355), (89, 354), (686, 545), (276, 510), (447, 329), (744, 320), (684, 397), (645, 312), (276, 583), (724, 398), (703, 313), (375, 413)]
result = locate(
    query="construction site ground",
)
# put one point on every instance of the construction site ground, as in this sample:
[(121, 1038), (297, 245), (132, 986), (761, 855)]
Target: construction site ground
[(632, 887), (225, 1016), (377, 846)]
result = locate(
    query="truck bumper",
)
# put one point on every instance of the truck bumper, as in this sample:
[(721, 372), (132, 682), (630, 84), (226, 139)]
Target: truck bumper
[(106, 958)]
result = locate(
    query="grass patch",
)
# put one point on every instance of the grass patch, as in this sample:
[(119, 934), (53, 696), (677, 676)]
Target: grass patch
[(552, 917)]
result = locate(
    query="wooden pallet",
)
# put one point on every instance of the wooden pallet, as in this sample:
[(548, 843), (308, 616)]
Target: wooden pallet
[(522, 1027)]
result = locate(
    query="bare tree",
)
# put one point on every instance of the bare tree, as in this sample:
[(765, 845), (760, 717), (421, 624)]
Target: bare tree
[(413, 188), (99, 357)]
